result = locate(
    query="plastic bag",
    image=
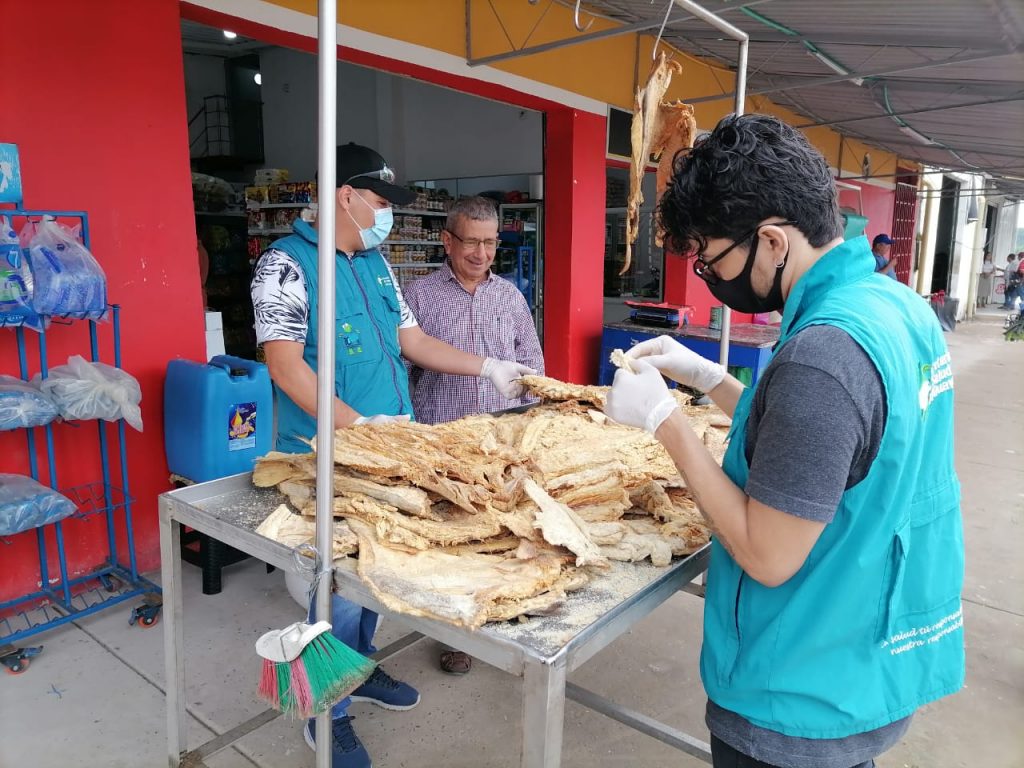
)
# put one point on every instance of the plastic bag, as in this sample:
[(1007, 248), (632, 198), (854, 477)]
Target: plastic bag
[(15, 282), (22, 404), (84, 390), (66, 278), (26, 504)]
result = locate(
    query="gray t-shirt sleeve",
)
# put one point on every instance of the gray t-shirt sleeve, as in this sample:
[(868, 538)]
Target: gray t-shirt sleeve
[(816, 424)]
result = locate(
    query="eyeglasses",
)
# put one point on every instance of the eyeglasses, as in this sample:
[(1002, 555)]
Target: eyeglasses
[(384, 174), (701, 264), (472, 243)]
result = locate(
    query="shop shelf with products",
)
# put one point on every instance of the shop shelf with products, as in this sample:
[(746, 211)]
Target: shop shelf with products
[(61, 597), (520, 256), (221, 227)]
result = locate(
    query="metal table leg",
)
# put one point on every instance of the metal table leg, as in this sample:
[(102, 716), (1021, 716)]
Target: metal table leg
[(174, 635), (543, 713)]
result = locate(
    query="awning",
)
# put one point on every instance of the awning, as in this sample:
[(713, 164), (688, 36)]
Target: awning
[(936, 82)]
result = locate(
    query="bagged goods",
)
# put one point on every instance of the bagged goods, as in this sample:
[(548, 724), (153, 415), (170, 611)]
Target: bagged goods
[(84, 390), (66, 278)]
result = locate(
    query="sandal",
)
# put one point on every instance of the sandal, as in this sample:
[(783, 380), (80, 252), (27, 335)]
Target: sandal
[(456, 662)]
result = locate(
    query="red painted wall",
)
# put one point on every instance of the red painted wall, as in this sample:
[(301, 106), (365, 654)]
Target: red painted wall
[(878, 206), (100, 120), (574, 201)]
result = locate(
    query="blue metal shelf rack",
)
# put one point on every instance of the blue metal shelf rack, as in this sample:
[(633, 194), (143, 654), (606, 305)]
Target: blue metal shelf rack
[(71, 598)]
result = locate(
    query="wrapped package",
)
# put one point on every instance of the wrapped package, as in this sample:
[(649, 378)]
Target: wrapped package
[(15, 282), (25, 504), (22, 404), (66, 278), (84, 390)]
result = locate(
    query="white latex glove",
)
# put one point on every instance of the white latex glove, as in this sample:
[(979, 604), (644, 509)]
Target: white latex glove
[(381, 419), (640, 399), (504, 375), (679, 363)]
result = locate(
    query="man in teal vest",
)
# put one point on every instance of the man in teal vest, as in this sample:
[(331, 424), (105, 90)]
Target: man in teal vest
[(373, 331), (833, 596)]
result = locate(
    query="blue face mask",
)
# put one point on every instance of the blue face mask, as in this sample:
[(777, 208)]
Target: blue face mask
[(383, 221)]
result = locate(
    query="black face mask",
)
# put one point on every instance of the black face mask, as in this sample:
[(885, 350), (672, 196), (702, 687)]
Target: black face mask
[(738, 293)]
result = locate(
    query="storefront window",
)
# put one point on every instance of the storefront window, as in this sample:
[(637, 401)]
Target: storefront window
[(643, 280)]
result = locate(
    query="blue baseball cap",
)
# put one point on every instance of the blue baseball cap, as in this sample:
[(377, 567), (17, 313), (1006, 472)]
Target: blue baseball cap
[(882, 240)]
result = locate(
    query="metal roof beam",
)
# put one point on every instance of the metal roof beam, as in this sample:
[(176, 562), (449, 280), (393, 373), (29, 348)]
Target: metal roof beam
[(768, 37), (816, 81), (604, 34), (888, 144), (1019, 97)]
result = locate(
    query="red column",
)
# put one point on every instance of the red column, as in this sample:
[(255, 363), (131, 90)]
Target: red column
[(99, 117), (574, 170)]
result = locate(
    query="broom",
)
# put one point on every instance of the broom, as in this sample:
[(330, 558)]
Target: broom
[(306, 669)]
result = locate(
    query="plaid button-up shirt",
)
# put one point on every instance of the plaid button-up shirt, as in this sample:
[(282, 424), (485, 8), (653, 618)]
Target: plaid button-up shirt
[(494, 321)]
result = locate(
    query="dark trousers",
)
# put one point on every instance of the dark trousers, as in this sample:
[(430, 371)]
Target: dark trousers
[(724, 756)]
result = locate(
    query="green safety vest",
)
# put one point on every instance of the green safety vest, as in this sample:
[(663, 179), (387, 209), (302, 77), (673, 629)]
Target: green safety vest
[(870, 628), (369, 374)]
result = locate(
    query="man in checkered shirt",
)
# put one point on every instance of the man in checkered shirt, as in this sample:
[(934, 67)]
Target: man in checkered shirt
[(466, 305)]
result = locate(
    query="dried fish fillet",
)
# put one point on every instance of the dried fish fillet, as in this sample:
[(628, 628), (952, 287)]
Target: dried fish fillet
[(562, 527), (619, 359), (285, 527), (644, 129), (462, 589)]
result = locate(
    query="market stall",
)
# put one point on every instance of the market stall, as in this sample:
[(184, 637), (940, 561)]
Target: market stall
[(543, 650)]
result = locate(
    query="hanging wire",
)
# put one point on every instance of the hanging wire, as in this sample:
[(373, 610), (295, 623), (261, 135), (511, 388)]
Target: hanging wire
[(303, 567), (576, 18), (661, 30)]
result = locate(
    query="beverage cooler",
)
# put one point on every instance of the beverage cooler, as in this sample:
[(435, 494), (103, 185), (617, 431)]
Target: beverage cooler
[(520, 254)]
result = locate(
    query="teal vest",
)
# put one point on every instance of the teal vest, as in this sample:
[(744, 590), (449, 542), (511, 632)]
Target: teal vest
[(870, 627), (369, 374)]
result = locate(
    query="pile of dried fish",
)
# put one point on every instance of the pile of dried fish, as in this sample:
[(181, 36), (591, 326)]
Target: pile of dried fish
[(489, 518)]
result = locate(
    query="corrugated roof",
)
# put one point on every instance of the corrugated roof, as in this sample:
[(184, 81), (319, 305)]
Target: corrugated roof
[(920, 58)]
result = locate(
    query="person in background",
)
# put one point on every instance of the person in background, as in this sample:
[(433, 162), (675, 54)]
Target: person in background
[(466, 305), (1011, 281), (880, 247), (985, 279), (1020, 275), (373, 331), (832, 610)]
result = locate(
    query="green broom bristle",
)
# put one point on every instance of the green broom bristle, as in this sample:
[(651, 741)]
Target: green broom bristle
[(326, 671), (284, 685), (334, 670)]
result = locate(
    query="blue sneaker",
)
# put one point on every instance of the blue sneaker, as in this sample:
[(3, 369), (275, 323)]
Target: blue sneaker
[(346, 749), (384, 691)]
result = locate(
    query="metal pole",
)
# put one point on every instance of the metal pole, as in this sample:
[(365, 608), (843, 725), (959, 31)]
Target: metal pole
[(741, 92), (327, 69)]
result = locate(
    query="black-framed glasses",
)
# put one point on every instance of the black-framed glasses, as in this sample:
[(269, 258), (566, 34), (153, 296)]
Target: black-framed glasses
[(384, 174), (472, 243), (701, 264)]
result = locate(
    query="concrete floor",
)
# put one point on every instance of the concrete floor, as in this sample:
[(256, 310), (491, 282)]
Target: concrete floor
[(94, 698)]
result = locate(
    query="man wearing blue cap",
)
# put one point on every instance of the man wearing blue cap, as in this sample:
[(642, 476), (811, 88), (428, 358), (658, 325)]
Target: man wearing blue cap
[(374, 330), (880, 247)]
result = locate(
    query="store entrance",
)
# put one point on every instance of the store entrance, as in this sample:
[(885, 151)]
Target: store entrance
[(945, 235), (252, 132)]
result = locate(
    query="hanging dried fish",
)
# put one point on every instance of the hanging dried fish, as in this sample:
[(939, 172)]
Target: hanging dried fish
[(643, 131)]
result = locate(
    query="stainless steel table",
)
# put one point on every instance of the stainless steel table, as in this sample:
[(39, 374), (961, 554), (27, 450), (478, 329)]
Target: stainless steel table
[(542, 650)]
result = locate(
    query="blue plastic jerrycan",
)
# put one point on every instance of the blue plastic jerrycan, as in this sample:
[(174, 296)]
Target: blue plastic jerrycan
[(218, 417)]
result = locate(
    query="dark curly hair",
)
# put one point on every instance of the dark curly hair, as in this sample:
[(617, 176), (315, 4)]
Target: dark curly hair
[(749, 168)]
